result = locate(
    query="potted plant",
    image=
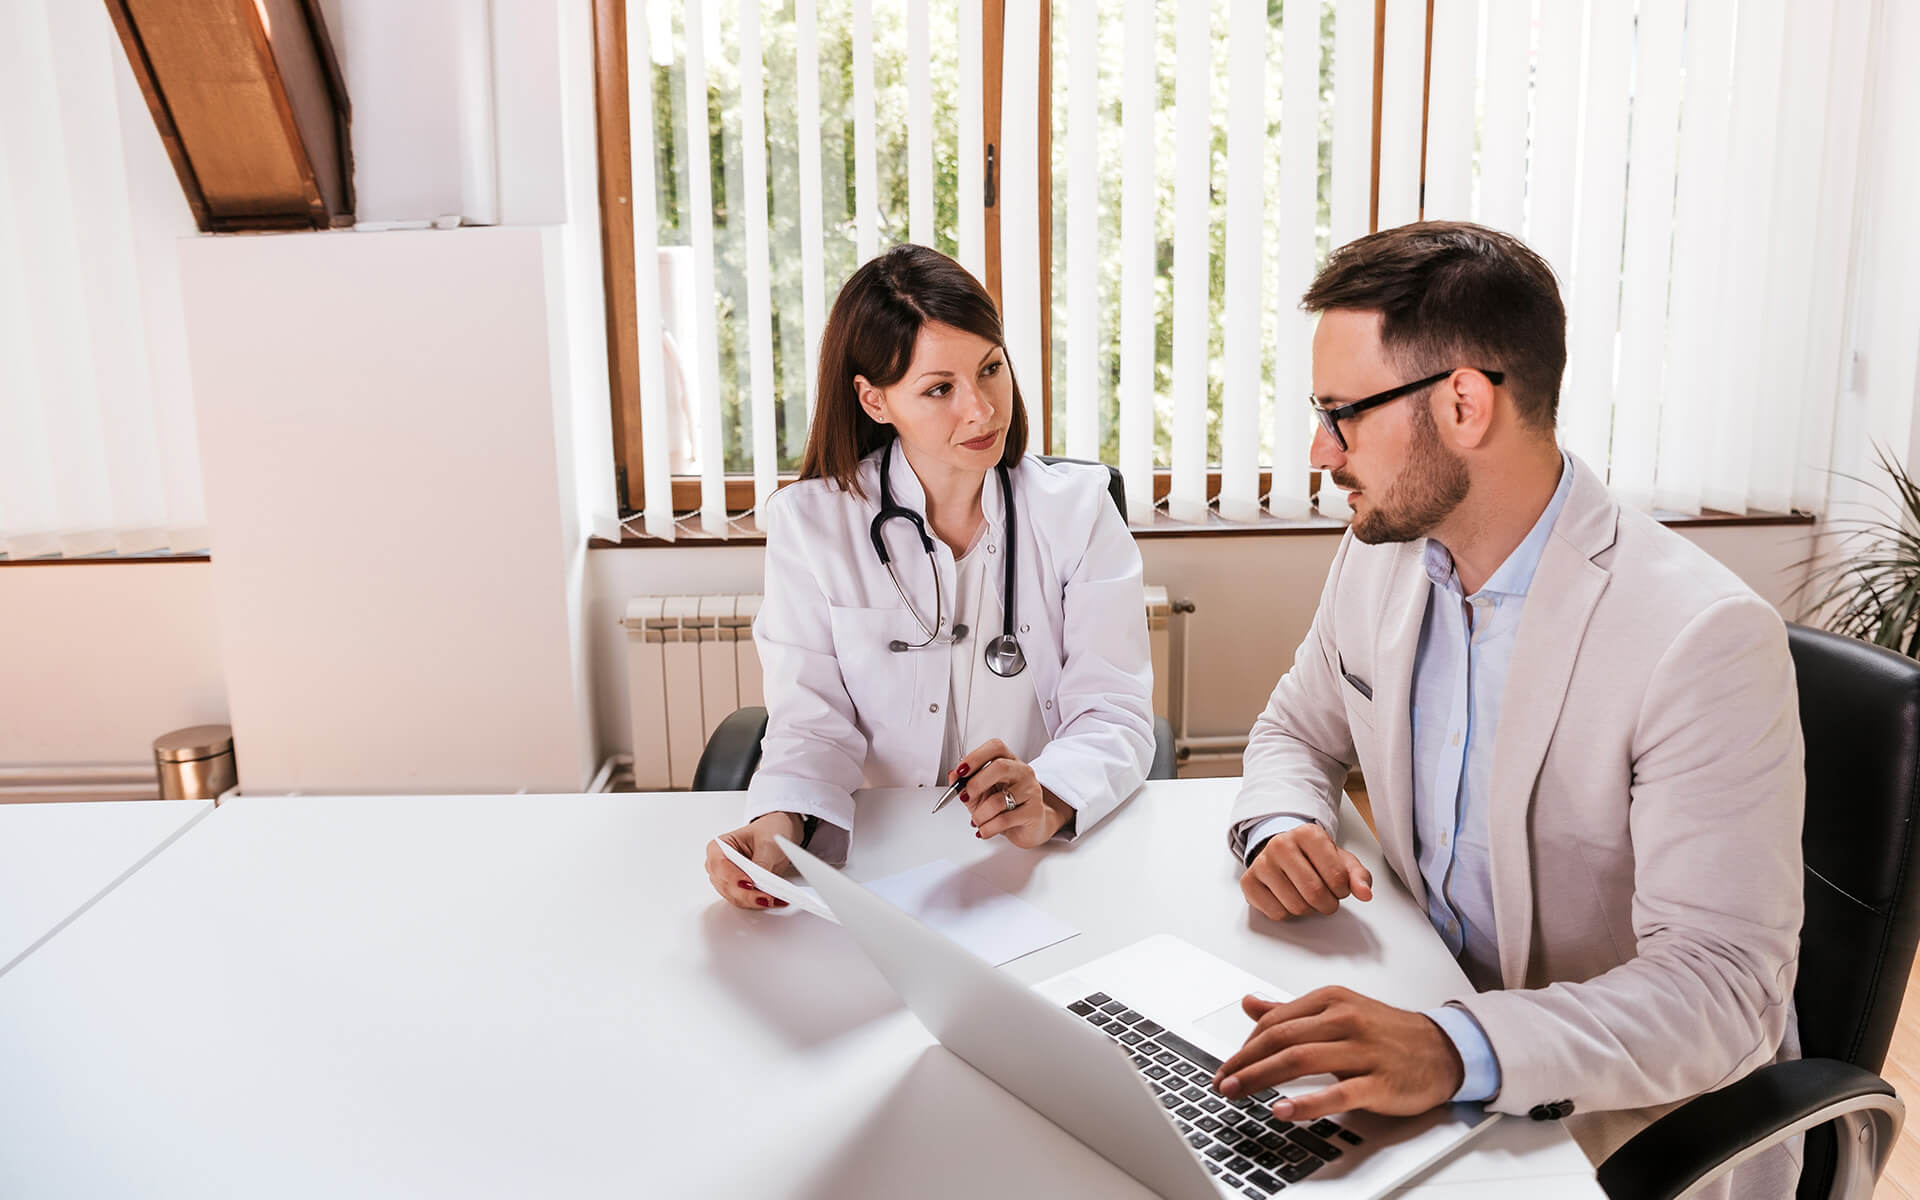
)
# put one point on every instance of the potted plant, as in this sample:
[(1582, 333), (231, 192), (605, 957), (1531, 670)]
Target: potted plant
[(1872, 592)]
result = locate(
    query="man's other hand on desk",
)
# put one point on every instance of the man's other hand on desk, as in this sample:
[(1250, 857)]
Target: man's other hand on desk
[(1387, 1060), (1302, 870)]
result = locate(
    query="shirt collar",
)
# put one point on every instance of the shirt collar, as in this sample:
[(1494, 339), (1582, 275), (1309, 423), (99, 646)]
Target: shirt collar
[(1515, 575)]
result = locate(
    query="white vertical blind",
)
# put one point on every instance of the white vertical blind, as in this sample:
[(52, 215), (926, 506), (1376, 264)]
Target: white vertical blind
[(91, 391), (1649, 238), (1192, 196), (1800, 141), (1451, 125), (813, 254), (1138, 189), (657, 505), (1757, 57), (1825, 371), (1556, 134), (972, 168), (1246, 159), (1019, 187), (1689, 170), (1296, 245), (866, 178), (919, 127), (1083, 231), (1593, 299), (753, 121), (1352, 200), (1404, 70), (703, 373), (1694, 364), (1502, 193)]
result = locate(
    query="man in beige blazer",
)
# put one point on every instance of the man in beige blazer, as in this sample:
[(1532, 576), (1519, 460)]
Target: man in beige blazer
[(1579, 732)]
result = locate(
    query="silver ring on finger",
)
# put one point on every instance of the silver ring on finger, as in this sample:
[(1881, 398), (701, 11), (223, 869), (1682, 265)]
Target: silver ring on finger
[(1012, 803)]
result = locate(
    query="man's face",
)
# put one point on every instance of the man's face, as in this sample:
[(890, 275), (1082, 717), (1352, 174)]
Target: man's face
[(1400, 476)]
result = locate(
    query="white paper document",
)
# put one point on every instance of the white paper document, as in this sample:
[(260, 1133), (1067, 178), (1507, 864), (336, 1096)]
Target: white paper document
[(969, 908)]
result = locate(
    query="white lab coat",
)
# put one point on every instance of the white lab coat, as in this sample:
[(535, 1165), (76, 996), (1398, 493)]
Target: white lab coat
[(844, 711)]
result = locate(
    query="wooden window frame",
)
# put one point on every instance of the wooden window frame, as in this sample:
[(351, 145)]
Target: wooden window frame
[(617, 238)]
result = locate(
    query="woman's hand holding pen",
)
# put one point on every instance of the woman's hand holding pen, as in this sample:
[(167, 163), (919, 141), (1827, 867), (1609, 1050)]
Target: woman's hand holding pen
[(1006, 798)]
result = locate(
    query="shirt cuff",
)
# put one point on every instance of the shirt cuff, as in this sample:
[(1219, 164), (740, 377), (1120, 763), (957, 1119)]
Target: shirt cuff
[(1481, 1080), (1257, 833)]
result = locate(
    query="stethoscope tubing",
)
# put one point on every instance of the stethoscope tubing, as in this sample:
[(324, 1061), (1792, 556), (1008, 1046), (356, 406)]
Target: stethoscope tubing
[(1003, 654)]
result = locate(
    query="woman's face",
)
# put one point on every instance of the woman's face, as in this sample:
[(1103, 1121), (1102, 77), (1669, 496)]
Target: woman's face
[(953, 405)]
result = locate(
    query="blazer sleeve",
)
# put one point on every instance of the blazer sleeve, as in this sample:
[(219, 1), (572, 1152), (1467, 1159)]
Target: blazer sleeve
[(1301, 746), (1717, 805), (815, 753), (1099, 753)]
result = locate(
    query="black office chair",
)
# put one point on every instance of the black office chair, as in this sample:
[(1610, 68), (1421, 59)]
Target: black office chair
[(733, 751), (1860, 714)]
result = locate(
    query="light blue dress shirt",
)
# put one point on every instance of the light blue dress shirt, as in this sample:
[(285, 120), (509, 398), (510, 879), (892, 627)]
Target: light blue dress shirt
[(1459, 676)]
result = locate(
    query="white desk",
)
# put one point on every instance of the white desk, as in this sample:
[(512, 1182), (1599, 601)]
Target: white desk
[(56, 859), (526, 995)]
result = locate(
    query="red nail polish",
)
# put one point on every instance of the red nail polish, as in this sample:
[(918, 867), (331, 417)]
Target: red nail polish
[(747, 885), (761, 901), (963, 796), (963, 769), (977, 833)]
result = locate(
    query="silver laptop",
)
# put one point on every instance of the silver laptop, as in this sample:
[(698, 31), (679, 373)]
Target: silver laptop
[(1120, 1053)]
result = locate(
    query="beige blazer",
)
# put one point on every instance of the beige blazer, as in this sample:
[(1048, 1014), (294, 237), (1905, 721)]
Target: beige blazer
[(1645, 808)]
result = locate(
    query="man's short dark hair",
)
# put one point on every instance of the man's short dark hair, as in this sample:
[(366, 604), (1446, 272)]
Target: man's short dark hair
[(1455, 294)]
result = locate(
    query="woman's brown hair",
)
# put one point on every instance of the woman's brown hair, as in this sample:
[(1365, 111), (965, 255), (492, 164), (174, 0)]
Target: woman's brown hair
[(871, 332)]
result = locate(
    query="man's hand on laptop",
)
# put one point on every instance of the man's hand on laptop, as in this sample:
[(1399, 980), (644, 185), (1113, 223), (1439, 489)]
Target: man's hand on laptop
[(1302, 870), (1388, 1060)]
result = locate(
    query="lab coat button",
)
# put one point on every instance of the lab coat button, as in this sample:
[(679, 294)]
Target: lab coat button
[(933, 708), (1049, 704)]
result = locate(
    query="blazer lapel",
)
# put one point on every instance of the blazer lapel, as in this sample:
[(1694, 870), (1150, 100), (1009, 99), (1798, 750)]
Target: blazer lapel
[(1398, 641), (1560, 602)]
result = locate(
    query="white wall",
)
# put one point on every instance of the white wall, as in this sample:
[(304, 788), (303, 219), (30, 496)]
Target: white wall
[(98, 659), (1254, 599), (394, 546)]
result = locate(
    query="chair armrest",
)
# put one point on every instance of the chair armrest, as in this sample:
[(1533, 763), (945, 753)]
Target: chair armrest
[(1166, 763), (1709, 1135), (727, 764)]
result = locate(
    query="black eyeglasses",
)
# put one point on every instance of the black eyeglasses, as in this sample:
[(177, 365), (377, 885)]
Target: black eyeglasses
[(1330, 418)]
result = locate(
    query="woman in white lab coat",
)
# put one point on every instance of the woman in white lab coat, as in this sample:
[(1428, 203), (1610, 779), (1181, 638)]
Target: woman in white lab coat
[(909, 671)]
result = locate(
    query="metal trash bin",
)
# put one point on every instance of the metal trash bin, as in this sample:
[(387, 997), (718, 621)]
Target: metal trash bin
[(195, 763)]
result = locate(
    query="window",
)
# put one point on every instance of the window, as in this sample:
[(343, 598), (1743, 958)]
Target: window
[(1153, 226)]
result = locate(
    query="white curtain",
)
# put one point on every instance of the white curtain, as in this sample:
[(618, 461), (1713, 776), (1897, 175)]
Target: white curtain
[(98, 453)]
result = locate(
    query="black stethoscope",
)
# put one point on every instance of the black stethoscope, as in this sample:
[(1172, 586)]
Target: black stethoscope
[(1004, 656)]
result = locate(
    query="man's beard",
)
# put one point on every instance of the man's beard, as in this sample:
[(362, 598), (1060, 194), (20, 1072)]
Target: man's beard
[(1431, 485)]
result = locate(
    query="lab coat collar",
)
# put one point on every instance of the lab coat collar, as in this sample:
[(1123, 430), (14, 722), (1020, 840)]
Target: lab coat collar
[(908, 492)]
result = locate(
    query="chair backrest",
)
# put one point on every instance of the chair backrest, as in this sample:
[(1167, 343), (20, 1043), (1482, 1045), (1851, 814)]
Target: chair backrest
[(1116, 483), (1860, 714)]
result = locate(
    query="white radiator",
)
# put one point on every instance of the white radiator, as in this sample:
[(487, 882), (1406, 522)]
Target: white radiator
[(691, 661)]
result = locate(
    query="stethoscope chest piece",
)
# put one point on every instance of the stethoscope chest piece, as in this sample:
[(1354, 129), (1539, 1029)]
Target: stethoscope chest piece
[(1004, 657)]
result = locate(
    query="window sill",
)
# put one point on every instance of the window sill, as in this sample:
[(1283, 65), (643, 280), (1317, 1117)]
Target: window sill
[(104, 560), (1214, 527)]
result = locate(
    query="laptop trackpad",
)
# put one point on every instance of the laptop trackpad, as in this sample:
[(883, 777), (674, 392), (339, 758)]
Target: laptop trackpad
[(1225, 1026)]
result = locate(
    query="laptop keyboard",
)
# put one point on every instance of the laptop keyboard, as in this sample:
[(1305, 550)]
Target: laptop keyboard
[(1239, 1141)]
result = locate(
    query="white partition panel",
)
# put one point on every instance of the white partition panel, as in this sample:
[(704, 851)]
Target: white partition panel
[(866, 176), (703, 356), (1019, 188), (972, 170), (1556, 134), (919, 127)]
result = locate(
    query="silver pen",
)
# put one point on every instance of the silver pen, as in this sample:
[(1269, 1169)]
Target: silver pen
[(953, 789)]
